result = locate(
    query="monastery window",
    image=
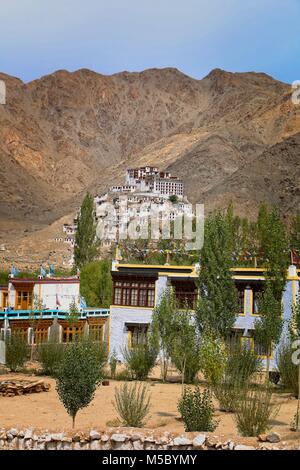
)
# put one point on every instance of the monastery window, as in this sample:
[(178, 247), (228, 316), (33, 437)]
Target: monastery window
[(71, 333), (96, 332), (256, 292), (23, 300), (40, 335), (134, 293), (241, 300), (137, 334), (186, 294)]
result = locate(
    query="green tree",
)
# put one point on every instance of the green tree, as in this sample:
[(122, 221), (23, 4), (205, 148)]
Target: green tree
[(16, 351), (185, 347), (268, 327), (73, 313), (78, 376), (85, 238), (162, 328), (96, 283), (295, 330), (295, 233), (217, 307)]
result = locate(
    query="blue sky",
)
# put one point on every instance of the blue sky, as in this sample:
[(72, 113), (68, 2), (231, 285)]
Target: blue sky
[(195, 36)]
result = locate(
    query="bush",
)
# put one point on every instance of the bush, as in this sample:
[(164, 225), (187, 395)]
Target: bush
[(212, 358), (132, 404), (140, 360), (242, 363), (227, 391), (78, 376), (16, 352), (197, 410), (287, 369), (113, 361), (254, 411), (50, 356)]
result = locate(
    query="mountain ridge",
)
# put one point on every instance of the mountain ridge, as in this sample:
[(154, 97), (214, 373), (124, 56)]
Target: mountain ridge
[(69, 132)]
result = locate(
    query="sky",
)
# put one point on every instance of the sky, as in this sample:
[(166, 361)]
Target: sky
[(38, 37)]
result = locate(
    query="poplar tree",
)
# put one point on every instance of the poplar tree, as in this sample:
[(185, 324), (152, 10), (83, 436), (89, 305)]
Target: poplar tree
[(295, 233), (295, 333), (85, 238), (218, 302), (268, 327)]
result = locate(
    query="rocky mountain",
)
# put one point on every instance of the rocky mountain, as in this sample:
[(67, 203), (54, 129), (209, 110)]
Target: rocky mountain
[(229, 136)]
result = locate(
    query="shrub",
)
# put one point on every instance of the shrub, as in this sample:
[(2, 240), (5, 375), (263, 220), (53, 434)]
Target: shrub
[(16, 352), (197, 410), (113, 361), (287, 369), (212, 358), (140, 360), (227, 391), (78, 376), (254, 411), (50, 356), (132, 404), (242, 363), (123, 375)]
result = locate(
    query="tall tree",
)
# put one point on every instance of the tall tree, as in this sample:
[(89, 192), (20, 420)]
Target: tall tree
[(162, 328), (274, 245), (217, 307), (85, 238), (295, 333), (78, 376), (268, 327), (96, 283), (295, 233)]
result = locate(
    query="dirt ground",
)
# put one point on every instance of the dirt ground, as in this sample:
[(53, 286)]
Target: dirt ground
[(45, 411)]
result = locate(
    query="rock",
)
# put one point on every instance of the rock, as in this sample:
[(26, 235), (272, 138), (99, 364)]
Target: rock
[(262, 438), (76, 438), (137, 437), (230, 445), (13, 431), (273, 437), (211, 441), (95, 444), (57, 437), (138, 445), (95, 435), (243, 447), (104, 438), (118, 438), (182, 441), (28, 433), (199, 440)]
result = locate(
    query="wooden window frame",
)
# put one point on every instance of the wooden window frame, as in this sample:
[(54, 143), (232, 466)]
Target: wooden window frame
[(142, 291)]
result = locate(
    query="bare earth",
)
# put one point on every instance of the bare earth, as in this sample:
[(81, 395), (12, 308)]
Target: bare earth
[(44, 411)]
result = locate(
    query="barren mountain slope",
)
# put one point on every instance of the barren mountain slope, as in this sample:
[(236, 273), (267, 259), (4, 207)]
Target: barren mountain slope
[(68, 132)]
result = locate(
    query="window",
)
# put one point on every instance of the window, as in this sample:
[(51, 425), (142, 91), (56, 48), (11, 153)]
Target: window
[(241, 299), (4, 299), (256, 292), (134, 293), (185, 294), (71, 333), (23, 300), (137, 334), (96, 332), (40, 335), (259, 349)]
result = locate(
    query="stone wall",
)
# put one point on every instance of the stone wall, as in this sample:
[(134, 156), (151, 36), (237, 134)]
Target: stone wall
[(125, 439)]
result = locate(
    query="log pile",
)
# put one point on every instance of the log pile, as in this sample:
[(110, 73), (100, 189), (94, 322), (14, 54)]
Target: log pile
[(11, 388)]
